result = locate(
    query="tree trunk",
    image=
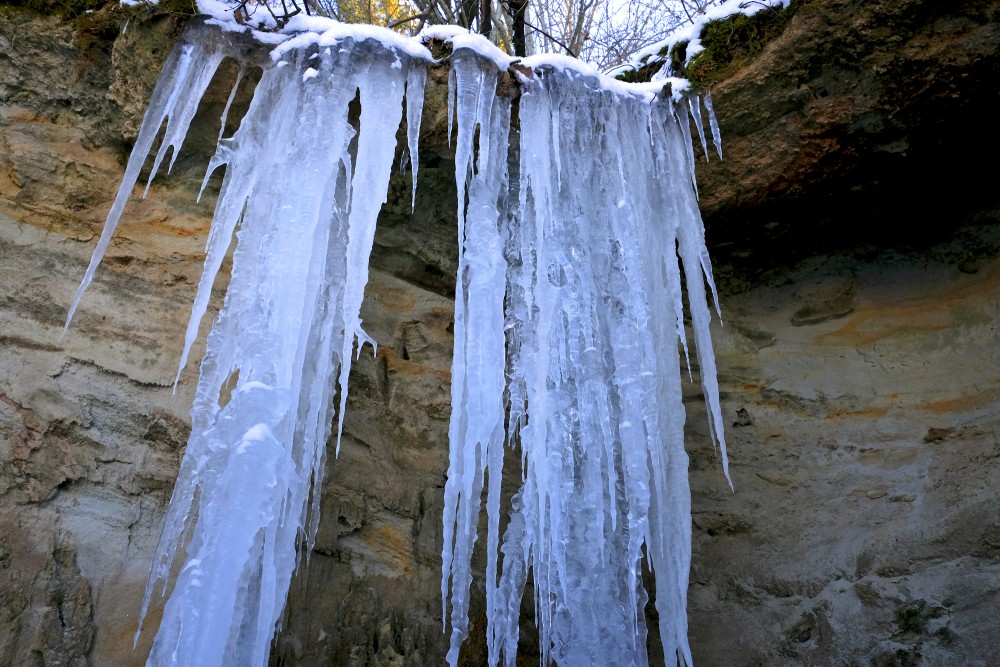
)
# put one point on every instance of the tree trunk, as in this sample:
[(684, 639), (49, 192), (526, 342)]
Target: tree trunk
[(518, 9)]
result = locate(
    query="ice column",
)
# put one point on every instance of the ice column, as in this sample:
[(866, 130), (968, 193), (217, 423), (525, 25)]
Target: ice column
[(305, 193), (303, 187), (476, 432), (606, 222)]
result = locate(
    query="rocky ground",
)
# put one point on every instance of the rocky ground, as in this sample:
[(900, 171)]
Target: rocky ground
[(858, 254)]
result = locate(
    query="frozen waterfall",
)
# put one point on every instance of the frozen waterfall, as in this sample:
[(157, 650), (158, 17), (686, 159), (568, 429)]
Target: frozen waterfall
[(591, 302), (304, 188), (569, 326)]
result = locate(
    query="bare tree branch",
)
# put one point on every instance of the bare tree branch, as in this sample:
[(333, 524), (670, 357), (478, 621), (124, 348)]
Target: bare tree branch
[(603, 32), (551, 37), (398, 22)]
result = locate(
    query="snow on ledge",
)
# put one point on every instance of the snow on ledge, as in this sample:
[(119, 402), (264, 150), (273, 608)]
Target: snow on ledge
[(691, 32), (647, 90), (460, 38), (302, 31)]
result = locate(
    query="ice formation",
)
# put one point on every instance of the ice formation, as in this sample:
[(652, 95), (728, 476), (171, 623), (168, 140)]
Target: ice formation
[(690, 32), (568, 325), (303, 188), (593, 310)]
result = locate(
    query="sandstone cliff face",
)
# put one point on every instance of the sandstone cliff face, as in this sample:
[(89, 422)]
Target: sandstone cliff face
[(858, 359)]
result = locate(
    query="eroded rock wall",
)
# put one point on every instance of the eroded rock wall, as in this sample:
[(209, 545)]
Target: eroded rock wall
[(857, 236), (862, 400), (859, 123)]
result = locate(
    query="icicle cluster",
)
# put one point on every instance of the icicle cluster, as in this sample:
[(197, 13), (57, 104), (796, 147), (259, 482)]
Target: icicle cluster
[(568, 323), (593, 318), (304, 188)]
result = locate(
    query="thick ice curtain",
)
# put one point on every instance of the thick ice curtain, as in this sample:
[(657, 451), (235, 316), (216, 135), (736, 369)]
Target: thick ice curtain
[(305, 193), (569, 312), (303, 187), (594, 316)]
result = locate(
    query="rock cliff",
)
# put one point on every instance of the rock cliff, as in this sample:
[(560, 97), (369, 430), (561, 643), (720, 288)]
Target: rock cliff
[(857, 244)]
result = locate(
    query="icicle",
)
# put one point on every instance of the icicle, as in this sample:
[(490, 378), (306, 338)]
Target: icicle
[(606, 215), (713, 123), (202, 69), (695, 103), (186, 73), (240, 154), (681, 113), (415, 81), (229, 103), (452, 91), (381, 99)]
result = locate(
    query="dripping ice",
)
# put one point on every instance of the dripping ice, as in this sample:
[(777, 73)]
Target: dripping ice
[(597, 230), (304, 188), (569, 317), (476, 432)]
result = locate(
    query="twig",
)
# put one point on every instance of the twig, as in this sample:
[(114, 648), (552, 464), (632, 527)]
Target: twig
[(684, 6), (398, 22), (536, 29)]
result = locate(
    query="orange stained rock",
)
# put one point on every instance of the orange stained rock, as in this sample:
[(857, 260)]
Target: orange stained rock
[(930, 311)]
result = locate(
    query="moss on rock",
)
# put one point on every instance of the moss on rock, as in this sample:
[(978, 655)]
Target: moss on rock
[(61, 8), (100, 15), (730, 43)]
